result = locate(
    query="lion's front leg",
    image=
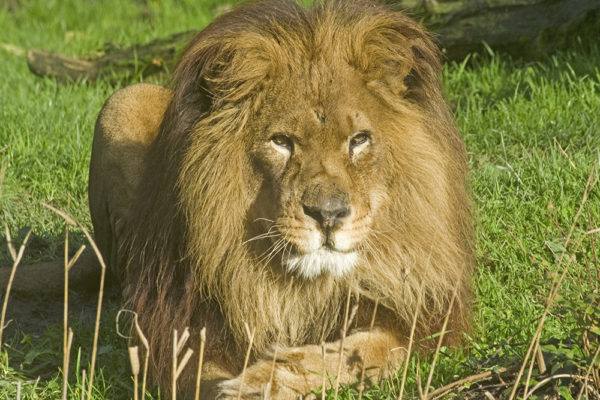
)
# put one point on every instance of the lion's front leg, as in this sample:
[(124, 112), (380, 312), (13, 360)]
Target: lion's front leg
[(298, 370)]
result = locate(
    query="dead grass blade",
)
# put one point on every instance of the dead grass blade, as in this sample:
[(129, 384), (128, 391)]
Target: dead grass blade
[(67, 354), (267, 392), (83, 378), (178, 366), (587, 374), (556, 284), (74, 222), (67, 332), (247, 358), (2, 170), (410, 344), (134, 359), (16, 260), (348, 317), (362, 371), (553, 377), (469, 379), (439, 344), (142, 339), (200, 362), (324, 383)]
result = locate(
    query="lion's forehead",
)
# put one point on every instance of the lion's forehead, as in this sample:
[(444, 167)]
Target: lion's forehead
[(319, 113)]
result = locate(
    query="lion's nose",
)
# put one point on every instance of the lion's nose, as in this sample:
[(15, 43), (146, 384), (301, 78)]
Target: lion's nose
[(329, 214)]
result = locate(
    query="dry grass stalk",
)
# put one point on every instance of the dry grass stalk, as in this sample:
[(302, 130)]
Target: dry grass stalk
[(556, 284), (2, 169), (142, 338), (65, 310), (67, 355), (553, 377), (83, 375), (16, 260), (19, 390), (469, 379), (535, 342), (439, 343), (362, 371), (67, 333), (178, 366), (200, 362), (540, 360), (134, 359), (564, 153), (410, 344), (267, 392), (74, 222), (348, 317), (247, 358), (146, 355), (419, 383), (174, 367), (324, 383), (587, 374)]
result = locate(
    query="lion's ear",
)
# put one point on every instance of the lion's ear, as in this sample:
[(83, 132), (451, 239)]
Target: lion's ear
[(397, 78), (401, 57)]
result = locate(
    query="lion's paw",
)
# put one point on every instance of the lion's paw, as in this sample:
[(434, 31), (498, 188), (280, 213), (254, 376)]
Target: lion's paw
[(263, 380)]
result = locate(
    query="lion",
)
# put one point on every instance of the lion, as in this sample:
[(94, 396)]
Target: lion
[(300, 191)]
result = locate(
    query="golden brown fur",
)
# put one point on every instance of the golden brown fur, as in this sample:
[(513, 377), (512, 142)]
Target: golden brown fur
[(219, 174)]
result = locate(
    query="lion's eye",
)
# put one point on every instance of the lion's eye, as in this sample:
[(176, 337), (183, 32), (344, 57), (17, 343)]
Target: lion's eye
[(283, 142), (359, 141)]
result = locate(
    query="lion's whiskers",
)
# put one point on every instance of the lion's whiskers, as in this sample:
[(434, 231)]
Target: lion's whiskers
[(262, 236), (268, 234), (277, 250), (272, 251), (263, 219)]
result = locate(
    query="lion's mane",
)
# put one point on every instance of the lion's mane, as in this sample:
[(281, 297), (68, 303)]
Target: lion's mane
[(185, 261)]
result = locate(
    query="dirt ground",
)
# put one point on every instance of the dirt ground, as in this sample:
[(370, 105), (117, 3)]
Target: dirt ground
[(33, 313), (37, 291)]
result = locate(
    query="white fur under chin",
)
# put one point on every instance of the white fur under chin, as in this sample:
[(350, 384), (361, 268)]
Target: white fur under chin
[(311, 265)]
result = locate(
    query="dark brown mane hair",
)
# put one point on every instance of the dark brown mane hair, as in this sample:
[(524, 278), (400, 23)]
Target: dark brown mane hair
[(184, 261)]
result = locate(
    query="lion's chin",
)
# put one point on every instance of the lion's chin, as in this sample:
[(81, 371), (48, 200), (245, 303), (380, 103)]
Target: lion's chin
[(321, 261)]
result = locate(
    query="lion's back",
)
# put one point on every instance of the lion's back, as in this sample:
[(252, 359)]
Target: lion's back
[(126, 127)]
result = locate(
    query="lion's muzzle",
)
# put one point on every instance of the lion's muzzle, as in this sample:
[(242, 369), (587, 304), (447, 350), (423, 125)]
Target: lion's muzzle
[(328, 205)]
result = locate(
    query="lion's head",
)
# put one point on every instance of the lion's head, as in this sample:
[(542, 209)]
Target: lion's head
[(305, 152)]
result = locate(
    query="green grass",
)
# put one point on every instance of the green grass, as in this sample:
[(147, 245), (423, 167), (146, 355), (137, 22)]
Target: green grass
[(532, 129)]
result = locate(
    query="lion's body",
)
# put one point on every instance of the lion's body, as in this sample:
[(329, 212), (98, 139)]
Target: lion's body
[(303, 156)]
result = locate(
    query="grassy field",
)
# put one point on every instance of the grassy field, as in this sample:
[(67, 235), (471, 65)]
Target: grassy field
[(532, 129)]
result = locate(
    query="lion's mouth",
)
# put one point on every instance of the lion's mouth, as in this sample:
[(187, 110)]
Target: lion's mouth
[(321, 261)]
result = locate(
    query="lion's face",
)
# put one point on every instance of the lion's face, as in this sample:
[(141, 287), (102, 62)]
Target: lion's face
[(318, 145)]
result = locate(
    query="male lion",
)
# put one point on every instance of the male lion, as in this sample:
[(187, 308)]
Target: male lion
[(304, 157)]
